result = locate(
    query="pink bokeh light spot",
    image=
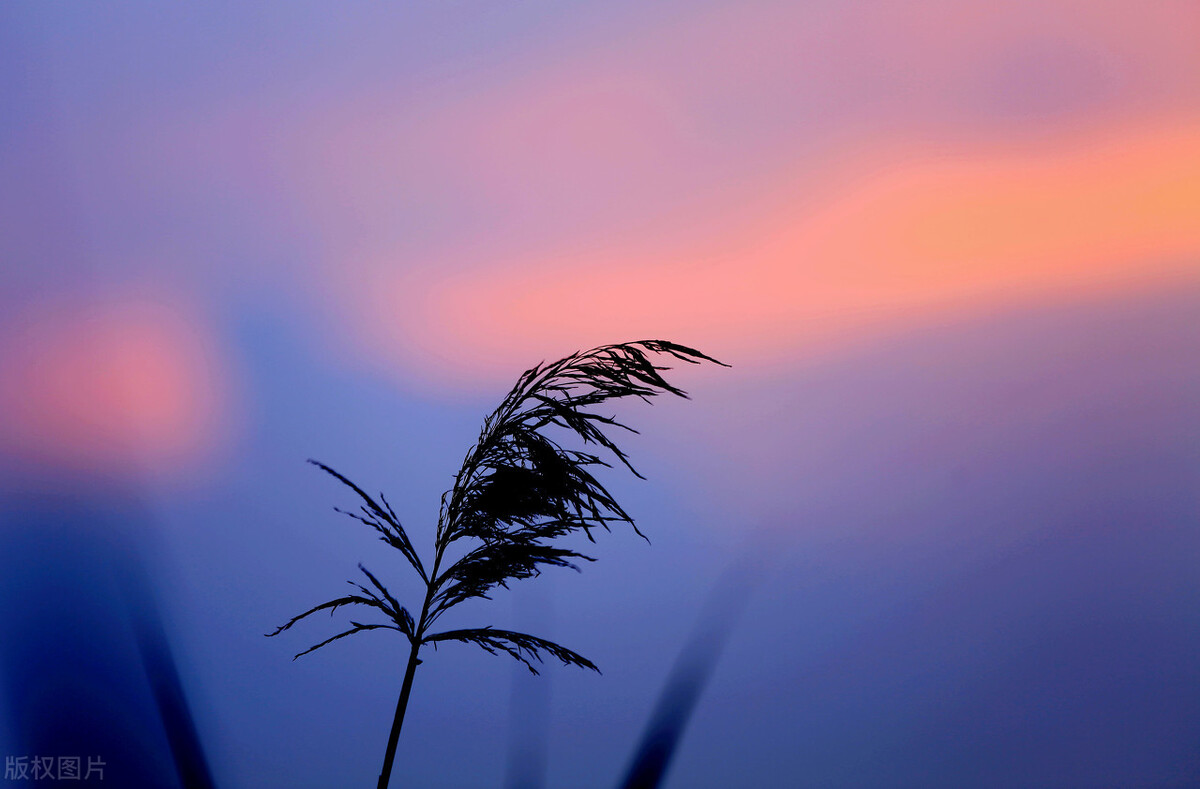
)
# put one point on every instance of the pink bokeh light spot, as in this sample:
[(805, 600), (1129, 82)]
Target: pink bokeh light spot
[(131, 382)]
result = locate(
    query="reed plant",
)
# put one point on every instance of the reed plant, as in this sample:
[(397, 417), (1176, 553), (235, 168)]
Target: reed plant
[(518, 493)]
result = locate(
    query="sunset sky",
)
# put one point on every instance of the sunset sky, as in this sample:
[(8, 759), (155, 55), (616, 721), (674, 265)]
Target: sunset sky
[(950, 249)]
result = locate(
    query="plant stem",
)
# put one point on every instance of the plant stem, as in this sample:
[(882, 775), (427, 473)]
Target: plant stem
[(401, 705), (413, 661)]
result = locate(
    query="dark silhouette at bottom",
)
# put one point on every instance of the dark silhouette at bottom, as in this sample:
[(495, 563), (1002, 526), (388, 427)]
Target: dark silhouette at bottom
[(86, 672)]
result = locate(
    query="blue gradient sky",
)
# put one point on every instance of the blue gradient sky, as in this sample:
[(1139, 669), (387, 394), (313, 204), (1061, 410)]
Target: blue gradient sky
[(951, 250)]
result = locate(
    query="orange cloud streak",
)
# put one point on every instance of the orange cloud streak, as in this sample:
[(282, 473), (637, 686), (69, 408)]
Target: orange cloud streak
[(918, 233)]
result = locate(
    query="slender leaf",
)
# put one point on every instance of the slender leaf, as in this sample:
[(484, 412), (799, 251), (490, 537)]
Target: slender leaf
[(523, 647)]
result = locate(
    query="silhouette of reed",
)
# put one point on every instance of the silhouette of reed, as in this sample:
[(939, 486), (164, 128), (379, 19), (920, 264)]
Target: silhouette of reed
[(518, 490)]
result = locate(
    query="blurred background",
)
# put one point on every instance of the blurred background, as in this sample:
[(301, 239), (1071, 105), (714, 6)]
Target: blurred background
[(951, 249)]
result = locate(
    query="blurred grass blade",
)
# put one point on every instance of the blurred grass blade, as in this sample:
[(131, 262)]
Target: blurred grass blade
[(692, 671)]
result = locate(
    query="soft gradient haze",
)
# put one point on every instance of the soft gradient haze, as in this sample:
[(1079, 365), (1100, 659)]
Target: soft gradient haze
[(951, 249)]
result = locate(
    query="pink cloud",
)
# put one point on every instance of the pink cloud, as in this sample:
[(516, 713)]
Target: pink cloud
[(905, 234), (765, 175)]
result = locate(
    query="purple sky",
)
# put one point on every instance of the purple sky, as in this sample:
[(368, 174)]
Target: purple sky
[(950, 249)]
